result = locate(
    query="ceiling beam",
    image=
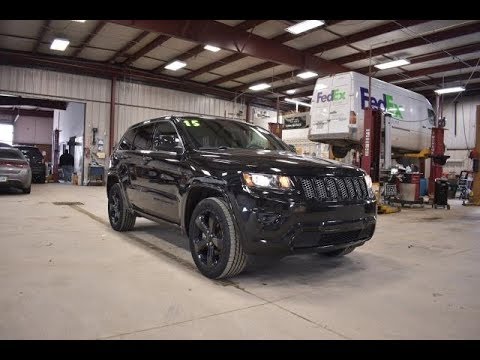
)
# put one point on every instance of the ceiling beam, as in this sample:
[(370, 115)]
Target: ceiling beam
[(270, 79), (428, 71), (41, 34), (363, 35), (248, 24), (128, 46), (104, 70), (294, 86), (229, 38), (229, 59), (438, 81), (467, 29), (27, 112), (281, 38), (43, 103), (159, 40), (435, 55), (89, 38), (257, 68)]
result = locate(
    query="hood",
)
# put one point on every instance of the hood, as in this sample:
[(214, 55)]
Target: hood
[(271, 162)]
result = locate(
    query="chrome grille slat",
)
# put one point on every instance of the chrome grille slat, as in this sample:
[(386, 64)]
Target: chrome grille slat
[(334, 188)]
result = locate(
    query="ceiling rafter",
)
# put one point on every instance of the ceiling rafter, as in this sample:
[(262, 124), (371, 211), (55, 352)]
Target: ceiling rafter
[(89, 38), (229, 38), (41, 34), (428, 71), (248, 24), (257, 68), (158, 41), (435, 55), (413, 42), (281, 38), (438, 81), (363, 35), (128, 46)]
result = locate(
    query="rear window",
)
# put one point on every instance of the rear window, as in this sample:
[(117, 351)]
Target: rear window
[(30, 152), (10, 154)]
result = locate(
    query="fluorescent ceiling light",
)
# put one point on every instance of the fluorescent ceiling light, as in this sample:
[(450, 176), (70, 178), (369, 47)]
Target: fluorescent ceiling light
[(212, 48), (392, 64), (298, 102), (450, 90), (81, 21), (258, 87), (175, 65), (59, 44), (304, 26), (307, 75), (291, 91)]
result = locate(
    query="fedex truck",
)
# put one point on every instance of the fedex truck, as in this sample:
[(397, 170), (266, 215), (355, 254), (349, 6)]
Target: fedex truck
[(337, 113)]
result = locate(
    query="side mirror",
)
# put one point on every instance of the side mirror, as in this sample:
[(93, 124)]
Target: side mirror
[(167, 143)]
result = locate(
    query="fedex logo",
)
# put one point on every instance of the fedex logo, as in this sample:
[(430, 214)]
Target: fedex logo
[(335, 95), (385, 104)]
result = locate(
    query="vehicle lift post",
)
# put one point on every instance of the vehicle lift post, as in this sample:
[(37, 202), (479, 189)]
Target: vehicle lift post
[(475, 200), (372, 147)]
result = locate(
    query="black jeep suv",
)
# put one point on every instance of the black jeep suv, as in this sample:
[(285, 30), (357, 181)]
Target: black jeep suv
[(36, 160), (236, 189)]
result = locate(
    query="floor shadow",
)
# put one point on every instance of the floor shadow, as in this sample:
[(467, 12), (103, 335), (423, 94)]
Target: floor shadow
[(10, 191)]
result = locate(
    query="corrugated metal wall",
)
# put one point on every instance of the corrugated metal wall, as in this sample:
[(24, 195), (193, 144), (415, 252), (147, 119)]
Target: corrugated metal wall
[(458, 145), (135, 102)]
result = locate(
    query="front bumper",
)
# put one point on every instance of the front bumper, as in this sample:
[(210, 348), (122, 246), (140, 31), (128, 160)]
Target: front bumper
[(278, 222)]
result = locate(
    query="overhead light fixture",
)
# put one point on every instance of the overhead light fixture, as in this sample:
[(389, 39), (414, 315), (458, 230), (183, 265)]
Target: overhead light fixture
[(59, 44), (258, 87), (175, 65), (307, 75), (450, 90), (392, 64), (80, 21), (298, 102), (304, 26), (291, 91), (211, 48)]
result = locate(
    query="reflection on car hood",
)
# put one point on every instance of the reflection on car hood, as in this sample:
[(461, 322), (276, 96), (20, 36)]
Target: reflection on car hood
[(272, 162)]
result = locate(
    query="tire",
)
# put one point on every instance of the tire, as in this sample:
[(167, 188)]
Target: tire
[(339, 252), (339, 152), (41, 179), (27, 190), (216, 249), (120, 217)]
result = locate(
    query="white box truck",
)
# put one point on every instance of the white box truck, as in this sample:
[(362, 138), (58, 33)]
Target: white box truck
[(337, 113)]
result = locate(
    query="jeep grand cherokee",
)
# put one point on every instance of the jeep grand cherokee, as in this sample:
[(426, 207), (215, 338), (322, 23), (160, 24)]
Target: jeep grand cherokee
[(236, 189)]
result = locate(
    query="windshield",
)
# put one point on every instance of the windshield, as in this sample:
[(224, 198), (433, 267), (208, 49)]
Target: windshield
[(216, 133)]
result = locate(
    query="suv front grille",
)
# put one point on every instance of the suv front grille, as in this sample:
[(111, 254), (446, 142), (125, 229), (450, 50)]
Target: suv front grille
[(335, 188)]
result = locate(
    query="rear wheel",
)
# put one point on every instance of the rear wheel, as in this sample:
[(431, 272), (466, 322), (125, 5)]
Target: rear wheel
[(339, 252), (121, 218), (214, 243), (41, 179)]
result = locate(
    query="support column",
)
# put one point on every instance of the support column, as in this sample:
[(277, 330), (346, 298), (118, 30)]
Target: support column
[(113, 91)]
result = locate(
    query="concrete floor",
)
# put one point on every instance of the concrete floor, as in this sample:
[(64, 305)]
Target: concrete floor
[(64, 274)]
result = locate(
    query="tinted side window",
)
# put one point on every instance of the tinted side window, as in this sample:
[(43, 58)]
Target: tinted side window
[(144, 137), (127, 141), (166, 137)]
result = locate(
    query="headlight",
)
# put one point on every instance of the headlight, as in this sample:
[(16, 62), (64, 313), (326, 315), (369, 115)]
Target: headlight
[(267, 181), (369, 182)]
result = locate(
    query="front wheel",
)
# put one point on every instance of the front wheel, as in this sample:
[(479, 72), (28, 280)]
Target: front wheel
[(214, 243), (339, 252), (27, 190), (121, 218)]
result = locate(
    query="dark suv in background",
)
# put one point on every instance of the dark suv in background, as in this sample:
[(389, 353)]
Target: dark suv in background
[(36, 160), (236, 189)]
